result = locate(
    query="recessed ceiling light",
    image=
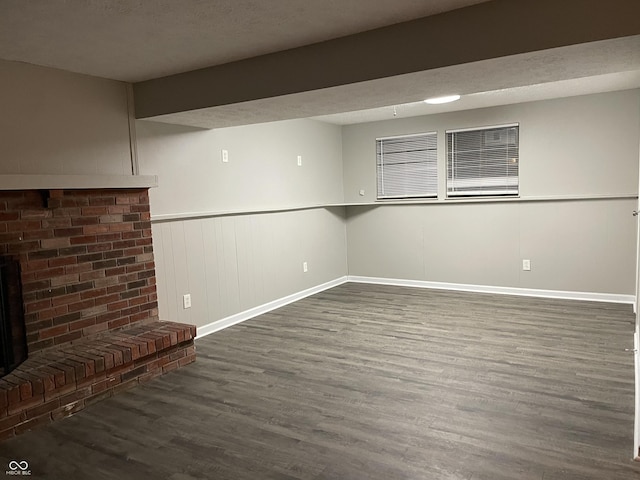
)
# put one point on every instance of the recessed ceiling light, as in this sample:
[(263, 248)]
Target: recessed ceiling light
[(439, 100)]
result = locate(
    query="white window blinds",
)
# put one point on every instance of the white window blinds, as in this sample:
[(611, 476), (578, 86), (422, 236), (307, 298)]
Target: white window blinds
[(407, 166), (483, 161)]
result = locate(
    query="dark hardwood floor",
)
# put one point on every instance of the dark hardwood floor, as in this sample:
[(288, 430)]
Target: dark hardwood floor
[(373, 382)]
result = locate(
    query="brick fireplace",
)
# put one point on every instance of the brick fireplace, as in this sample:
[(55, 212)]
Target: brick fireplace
[(89, 301)]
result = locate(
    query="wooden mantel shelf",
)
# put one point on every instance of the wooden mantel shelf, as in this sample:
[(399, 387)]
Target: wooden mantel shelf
[(65, 182)]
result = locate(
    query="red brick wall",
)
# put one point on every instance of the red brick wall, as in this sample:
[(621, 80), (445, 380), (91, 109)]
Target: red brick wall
[(86, 259)]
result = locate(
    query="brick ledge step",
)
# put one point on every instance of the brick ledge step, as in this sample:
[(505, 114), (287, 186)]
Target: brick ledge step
[(59, 382)]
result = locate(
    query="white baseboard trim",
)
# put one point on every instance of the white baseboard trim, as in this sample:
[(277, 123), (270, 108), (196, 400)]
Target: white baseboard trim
[(636, 422), (264, 308), (526, 292)]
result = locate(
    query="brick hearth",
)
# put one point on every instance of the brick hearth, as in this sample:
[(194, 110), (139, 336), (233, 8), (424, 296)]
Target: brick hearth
[(90, 302)]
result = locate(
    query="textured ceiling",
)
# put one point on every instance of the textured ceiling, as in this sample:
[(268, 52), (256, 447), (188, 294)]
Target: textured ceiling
[(581, 69), (135, 40), (509, 96)]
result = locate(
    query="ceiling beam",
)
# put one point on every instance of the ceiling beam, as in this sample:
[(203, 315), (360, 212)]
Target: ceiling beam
[(494, 29)]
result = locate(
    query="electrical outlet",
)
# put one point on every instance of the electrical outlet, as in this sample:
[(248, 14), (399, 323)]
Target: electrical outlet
[(186, 301), (299, 160), (526, 265), (225, 156), (305, 267)]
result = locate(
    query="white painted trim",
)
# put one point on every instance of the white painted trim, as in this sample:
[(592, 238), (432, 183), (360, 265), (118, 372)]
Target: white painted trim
[(487, 127), (173, 217), (267, 307), (636, 367), (55, 182), (526, 292), (394, 137), (133, 138)]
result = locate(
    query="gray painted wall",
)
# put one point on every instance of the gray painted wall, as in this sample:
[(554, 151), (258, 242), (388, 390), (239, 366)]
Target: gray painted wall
[(584, 246), (61, 123), (55, 122), (262, 172), (231, 263), (584, 146)]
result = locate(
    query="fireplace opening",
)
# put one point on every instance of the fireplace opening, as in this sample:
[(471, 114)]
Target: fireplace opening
[(13, 338)]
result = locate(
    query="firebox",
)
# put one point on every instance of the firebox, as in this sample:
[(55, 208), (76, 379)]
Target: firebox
[(13, 340)]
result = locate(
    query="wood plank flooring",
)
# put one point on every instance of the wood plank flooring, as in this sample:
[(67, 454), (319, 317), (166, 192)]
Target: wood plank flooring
[(373, 382)]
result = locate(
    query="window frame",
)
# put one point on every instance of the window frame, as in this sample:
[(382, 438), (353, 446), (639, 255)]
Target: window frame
[(451, 193), (380, 196)]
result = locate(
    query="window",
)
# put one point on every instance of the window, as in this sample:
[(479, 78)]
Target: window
[(407, 166), (483, 161)]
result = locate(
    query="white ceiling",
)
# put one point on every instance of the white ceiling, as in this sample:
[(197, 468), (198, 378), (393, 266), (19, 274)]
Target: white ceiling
[(135, 40)]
